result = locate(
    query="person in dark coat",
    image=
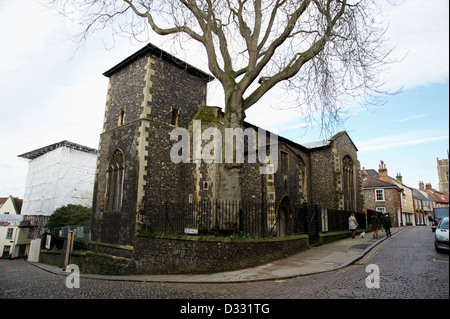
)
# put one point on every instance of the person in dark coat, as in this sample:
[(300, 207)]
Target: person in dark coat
[(375, 225), (381, 220), (387, 224)]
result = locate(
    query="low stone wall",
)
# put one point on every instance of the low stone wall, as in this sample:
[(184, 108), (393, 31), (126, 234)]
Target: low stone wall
[(177, 254), (53, 257), (174, 254), (326, 238), (91, 262), (124, 251)]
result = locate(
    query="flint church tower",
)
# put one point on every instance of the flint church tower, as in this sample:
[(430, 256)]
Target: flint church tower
[(149, 94), (442, 168)]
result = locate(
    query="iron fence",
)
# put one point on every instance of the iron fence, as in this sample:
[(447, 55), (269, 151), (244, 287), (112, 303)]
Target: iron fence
[(211, 218), (241, 219)]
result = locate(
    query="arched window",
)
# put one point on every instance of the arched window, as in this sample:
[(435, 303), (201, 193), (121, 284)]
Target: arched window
[(348, 184), (302, 180), (114, 182)]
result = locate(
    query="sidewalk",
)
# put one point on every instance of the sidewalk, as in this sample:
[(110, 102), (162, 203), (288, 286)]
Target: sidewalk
[(315, 260)]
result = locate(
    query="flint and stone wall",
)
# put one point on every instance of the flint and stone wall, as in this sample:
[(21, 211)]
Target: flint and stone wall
[(184, 254)]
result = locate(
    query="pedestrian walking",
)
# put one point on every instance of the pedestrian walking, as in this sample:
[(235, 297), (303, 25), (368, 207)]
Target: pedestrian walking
[(381, 221), (387, 224), (430, 220), (375, 225), (352, 224)]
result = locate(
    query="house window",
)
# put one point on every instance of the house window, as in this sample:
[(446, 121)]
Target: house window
[(174, 116), (301, 180), (379, 195), (9, 233), (114, 182), (381, 209), (284, 162), (31, 232)]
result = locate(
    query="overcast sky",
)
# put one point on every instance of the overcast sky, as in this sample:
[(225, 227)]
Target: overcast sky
[(50, 92)]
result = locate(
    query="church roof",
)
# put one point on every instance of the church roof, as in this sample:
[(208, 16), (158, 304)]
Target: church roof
[(155, 51), (324, 143)]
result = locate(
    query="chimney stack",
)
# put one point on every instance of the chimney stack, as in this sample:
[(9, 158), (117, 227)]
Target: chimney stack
[(421, 186), (382, 171), (364, 174), (428, 186), (399, 178)]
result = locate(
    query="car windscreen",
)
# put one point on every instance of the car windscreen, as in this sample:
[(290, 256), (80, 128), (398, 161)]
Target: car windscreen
[(444, 224)]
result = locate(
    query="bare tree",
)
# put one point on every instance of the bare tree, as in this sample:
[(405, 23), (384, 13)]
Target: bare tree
[(326, 51)]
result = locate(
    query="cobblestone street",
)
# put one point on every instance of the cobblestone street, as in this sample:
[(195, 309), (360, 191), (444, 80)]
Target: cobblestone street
[(409, 267)]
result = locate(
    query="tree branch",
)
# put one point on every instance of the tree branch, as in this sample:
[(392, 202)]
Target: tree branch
[(299, 59), (162, 31)]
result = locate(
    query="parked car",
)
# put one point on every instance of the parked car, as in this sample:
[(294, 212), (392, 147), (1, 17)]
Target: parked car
[(441, 235), (439, 213)]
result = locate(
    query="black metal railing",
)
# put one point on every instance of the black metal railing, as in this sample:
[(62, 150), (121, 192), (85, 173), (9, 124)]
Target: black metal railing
[(210, 218), (260, 219)]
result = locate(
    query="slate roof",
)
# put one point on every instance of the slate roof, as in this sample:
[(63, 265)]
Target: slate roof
[(324, 143), (417, 194), (373, 182), (316, 144), (371, 173)]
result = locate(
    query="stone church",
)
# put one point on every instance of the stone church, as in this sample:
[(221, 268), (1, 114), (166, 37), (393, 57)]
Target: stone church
[(152, 92)]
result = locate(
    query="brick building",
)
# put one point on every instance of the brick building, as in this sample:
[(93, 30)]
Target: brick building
[(382, 195), (441, 198), (149, 95)]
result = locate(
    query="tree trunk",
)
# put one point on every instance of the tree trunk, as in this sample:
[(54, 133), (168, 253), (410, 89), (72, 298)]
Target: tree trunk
[(229, 173)]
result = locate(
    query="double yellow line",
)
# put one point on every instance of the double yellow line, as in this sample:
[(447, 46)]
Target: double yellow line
[(378, 248)]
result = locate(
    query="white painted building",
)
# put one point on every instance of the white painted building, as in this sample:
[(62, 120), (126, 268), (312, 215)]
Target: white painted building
[(13, 240), (59, 174)]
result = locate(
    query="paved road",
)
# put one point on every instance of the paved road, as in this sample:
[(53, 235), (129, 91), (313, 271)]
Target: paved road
[(408, 267)]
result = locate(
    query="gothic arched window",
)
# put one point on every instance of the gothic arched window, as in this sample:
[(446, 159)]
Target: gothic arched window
[(348, 184), (302, 179), (114, 182)]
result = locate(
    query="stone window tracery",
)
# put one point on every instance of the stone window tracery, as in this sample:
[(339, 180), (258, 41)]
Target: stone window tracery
[(114, 182), (348, 184)]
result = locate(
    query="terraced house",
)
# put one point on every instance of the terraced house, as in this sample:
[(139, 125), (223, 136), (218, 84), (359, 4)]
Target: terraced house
[(382, 195)]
